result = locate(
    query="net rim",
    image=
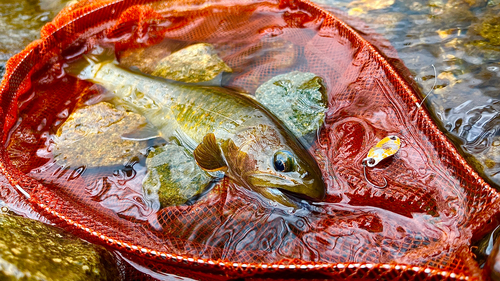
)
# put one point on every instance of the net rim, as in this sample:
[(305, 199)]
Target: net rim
[(232, 266), (248, 268)]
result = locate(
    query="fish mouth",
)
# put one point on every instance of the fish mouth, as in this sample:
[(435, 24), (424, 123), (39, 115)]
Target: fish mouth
[(296, 187)]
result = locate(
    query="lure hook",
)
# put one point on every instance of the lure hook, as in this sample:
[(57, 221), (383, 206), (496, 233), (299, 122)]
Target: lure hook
[(366, 178), (385, 148)]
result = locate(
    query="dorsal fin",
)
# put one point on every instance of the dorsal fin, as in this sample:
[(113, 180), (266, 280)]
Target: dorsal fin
[(208, 154)]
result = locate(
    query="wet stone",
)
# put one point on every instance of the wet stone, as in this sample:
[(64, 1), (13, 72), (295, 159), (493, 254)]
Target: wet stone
[(483, 36), (193, 64), (146, 59), (31, 250), (173, 176), (92, 137), (298, 99), (489, 160), (489, 28)]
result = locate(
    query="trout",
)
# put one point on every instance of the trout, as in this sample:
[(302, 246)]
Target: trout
[(225, 130)]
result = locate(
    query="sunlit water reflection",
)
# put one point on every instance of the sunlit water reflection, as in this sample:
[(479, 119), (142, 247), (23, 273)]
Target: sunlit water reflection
[(456, 36), (459, 38), (449, 35), (20, 23)]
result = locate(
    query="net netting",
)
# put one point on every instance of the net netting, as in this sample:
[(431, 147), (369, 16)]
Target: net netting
[(420, 227)]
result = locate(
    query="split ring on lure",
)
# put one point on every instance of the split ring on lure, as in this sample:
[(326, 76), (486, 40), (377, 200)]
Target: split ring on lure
[(385, 148)]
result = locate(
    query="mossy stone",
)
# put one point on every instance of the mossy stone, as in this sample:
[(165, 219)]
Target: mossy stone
[(31, 250)]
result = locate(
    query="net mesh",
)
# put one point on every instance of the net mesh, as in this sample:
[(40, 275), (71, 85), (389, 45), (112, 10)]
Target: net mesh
[(419, 227)]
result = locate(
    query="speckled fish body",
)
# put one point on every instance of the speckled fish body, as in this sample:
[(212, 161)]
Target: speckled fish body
[(226, 131)]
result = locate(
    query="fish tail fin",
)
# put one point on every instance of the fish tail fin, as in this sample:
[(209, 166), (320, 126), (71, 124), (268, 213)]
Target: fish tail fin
[(84, 68)]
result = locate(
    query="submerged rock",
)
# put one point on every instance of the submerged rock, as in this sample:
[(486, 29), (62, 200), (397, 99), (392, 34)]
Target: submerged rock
[(146, 59), (193, 64), (20, 22), (488, 160), (92, 136), (31, 250), (173, 176), (484, 36), (490, 28), (298, 99), (190, 64)]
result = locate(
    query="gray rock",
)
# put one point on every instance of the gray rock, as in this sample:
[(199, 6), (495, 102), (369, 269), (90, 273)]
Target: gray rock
[(193, 64), (298, 99), (173, 176), (92, 137)]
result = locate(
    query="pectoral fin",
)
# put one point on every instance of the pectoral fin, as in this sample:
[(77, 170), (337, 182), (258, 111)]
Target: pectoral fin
[(209, 156), (239, 161)]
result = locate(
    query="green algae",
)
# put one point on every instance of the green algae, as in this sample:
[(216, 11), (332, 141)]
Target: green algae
[(490, 29), (31, 250)]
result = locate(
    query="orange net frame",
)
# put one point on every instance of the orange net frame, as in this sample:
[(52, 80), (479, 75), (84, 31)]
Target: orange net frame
[(419, 227)]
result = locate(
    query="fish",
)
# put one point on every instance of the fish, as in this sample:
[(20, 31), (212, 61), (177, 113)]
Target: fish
[(226, 130)]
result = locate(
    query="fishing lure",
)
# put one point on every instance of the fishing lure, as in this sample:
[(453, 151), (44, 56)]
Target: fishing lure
[(388, 146), (385, 148)]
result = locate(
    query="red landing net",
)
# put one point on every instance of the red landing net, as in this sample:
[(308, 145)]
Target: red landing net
[(419, 227)]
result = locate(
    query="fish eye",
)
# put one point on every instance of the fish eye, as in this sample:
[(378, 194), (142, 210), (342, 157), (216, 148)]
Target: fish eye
[(284, 161)]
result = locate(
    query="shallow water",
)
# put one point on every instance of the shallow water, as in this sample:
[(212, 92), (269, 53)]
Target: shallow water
[(451, 36), (424, 34), (446, 34), (20, 23)]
